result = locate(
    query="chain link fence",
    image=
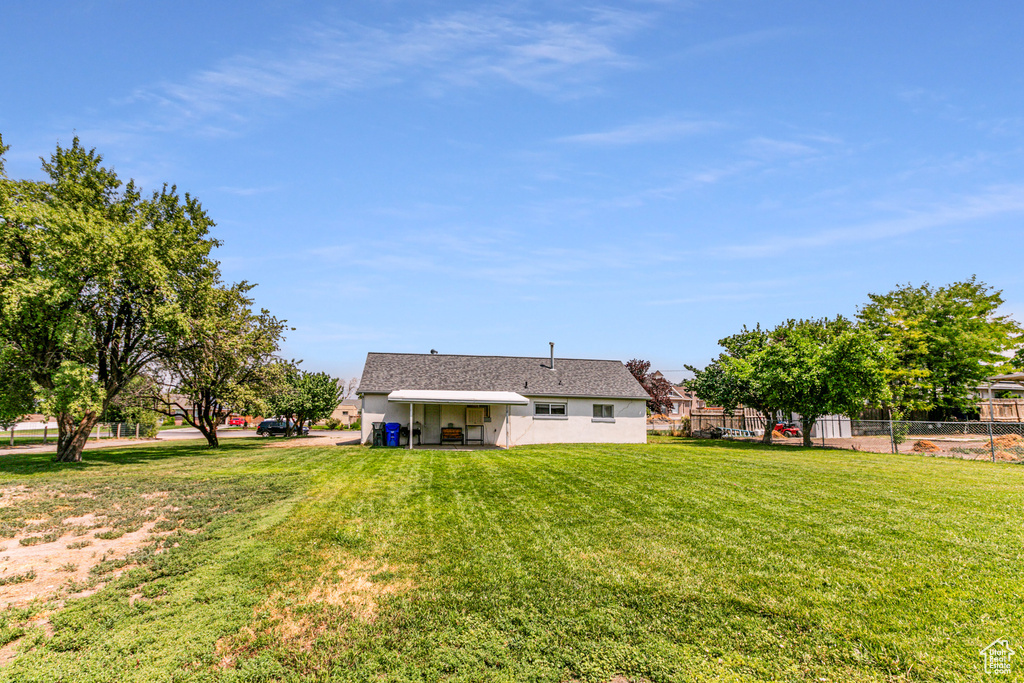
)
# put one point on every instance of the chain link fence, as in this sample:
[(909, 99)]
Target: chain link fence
[(970, 440), (30, 434)]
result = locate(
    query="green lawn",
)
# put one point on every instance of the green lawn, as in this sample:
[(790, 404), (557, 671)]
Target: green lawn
[(675, 561)]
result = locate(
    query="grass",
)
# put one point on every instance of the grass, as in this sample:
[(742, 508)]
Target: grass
[(676, 561)]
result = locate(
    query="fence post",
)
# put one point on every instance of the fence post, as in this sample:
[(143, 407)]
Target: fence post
[(892, 437), (136, 430), (46, 427), (991, 441)]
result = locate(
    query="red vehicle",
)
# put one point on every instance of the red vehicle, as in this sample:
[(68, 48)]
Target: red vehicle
[(236, 421), (787, 429)]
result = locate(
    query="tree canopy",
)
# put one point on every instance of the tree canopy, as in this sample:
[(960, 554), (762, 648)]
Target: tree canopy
[(657, 387), (732, 379), (307, 397), (93, 277), (820, 367), (943, 342), (224, 362)]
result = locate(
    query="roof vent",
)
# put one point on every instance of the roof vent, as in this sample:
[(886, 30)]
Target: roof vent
[(552, 344), (433, 352)]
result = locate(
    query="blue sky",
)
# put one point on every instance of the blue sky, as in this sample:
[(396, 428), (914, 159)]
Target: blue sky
[(626, 180)]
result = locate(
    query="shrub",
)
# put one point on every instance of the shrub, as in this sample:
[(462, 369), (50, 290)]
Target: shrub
[(354, 425), (333, 423)]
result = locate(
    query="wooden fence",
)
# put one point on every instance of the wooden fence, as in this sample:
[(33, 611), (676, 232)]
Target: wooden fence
[(741, 418), (1002, 410)]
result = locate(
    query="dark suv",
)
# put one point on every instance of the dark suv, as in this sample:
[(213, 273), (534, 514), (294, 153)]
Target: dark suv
[(272, 427)]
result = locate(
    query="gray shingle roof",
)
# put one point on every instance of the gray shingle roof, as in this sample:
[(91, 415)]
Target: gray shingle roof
[(386, 372)]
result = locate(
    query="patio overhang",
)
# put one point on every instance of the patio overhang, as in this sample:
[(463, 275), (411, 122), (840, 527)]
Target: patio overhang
[(503, 398), (1012, 377)]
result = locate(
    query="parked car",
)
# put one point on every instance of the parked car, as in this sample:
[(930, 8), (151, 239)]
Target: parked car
[(787, 429), (272, 427), (236, 421)]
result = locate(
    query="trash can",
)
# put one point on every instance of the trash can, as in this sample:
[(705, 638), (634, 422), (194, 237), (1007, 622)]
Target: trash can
[(393, 429), (378, 434)]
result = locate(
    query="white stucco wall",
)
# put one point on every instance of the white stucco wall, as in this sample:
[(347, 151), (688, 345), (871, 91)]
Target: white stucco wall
[(578, 426)]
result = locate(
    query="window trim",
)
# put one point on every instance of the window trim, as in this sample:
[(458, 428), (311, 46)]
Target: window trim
[(564, 415), (602, 417)]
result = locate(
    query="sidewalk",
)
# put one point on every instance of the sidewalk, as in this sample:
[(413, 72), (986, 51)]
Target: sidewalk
[(92, 444), (337, 438)]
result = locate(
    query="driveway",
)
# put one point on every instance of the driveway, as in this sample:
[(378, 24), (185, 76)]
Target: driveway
[(193, 433)]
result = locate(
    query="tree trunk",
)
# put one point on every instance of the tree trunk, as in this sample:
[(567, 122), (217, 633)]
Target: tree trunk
[(211, 437), (208, 428), (206, 425), (807, 424), (72, 435), (769, 426)]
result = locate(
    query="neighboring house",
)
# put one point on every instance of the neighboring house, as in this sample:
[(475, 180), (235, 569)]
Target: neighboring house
[(683, 401), (1001, 386), (503, 400), (347, 412), (1001, 399)]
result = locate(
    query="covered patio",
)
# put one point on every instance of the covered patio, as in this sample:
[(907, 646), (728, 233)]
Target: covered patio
[(459, 420)]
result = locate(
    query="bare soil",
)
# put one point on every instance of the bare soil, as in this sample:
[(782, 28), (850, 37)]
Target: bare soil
[(60, 568)]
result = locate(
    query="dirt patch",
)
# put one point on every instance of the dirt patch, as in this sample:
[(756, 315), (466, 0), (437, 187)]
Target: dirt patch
[(14, 495), (925, 447), (55, 568), (358, 586), (299, 614), (1009, 441), (88, 520)]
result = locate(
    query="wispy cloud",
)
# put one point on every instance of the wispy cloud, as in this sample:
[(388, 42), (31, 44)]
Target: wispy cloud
[(249, 191), (743, 40), (659, 130), (691, 180), (494, 256), (771, 148), (464, 49), (995, 202)]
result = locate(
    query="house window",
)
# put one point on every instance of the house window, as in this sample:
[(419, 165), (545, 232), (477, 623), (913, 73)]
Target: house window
[(549, 409), (604, 411)]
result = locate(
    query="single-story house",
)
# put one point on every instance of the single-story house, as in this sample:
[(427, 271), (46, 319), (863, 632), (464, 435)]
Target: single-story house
[(347, 412), (502, 400)]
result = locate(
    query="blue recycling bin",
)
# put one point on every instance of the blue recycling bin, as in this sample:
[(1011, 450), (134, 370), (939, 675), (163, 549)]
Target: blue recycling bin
[(392, 431)]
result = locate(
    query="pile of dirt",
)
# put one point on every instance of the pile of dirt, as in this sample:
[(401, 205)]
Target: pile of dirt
[(1006, 457), (925, 447), (1009, 441)]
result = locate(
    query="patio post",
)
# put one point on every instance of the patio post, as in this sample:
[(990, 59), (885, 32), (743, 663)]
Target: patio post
[(508, 425), (410, 425)]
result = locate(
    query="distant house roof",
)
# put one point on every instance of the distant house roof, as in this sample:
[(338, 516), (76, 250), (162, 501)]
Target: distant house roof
[(387, 372)]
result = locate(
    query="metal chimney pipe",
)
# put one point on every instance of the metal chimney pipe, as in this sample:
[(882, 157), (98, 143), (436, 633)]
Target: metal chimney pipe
[(552, 366)]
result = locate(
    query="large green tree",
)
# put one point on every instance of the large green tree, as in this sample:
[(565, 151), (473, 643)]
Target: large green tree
[(225, 362), (16, 395), (820, 367), (93, 280), (306, 397), (943, 343), (731, 380)]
